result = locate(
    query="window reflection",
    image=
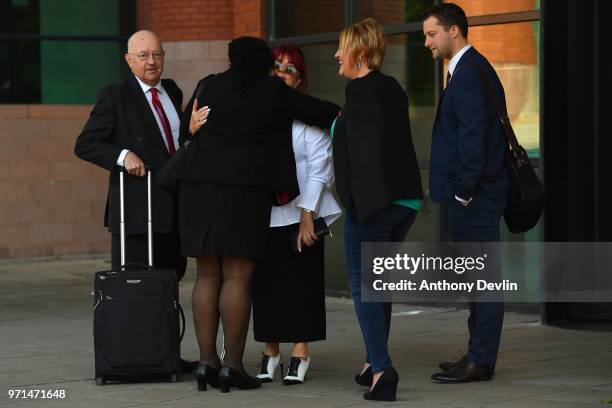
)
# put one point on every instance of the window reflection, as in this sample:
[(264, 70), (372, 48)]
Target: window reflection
[(53, 71), (390, 11), (292, 18), (513, 50), (481, 7)]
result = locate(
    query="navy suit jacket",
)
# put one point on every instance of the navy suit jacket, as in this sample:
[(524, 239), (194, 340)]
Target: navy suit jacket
[(468, 143)]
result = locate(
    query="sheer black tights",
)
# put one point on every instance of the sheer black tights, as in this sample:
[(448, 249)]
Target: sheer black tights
[(222, 290)]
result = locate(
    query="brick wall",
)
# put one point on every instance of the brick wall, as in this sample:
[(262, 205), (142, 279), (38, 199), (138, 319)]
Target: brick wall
[(187, 19), (180, 20), (249, 18), (50, 202)]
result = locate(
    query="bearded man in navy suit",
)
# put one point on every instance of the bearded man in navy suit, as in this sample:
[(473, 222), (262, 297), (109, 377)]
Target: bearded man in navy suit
[(467, 172)]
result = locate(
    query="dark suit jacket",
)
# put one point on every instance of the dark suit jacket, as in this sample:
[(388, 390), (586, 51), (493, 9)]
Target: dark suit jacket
[(468, 144), (122, 119), (247, 138), (374, 159)]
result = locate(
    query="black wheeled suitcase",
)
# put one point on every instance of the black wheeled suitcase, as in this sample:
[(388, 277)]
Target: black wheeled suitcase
[(136, 316)]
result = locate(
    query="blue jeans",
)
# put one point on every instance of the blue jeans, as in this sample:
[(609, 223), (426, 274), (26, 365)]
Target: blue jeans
[(391, 224)]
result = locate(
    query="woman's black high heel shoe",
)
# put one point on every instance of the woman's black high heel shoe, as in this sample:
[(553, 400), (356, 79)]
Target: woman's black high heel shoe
[(385, 388), (365, 378), (205, 374), (228, 378)]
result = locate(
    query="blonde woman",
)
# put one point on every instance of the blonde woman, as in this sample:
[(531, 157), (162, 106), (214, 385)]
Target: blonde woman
[(378, 182)]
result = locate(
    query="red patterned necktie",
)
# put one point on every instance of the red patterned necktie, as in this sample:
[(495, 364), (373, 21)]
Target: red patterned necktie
[(164, 120)]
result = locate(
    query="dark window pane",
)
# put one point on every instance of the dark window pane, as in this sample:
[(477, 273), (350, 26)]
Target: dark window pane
[(20, 71), (58, 72), (18, 16), (79, 17), (302, 17), (54, 70), (390, 12), (73, 72)]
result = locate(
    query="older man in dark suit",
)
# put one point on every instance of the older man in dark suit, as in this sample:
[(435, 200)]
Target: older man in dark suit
[(133, 124), (467, 172)]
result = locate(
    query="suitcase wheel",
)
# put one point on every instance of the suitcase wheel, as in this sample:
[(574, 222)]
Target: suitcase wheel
[(174, 378), (100, 381)]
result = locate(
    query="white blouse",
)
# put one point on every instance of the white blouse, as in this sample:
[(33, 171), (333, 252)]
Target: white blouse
[(313, 158)]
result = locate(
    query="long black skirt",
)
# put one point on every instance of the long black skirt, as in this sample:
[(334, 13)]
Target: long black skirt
[(224, 220), (289, 291)]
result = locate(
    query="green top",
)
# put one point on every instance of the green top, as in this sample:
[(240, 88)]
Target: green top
[(413, 203)]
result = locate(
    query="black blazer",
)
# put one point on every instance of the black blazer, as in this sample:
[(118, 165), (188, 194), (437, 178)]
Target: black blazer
[(374, 159), (122, 119), (247, 138)]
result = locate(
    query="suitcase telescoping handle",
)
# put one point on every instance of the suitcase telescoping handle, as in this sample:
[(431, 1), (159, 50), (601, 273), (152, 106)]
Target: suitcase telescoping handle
[(122, 218)]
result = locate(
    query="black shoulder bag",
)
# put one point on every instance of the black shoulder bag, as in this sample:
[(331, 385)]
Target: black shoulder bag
[(526, 193)]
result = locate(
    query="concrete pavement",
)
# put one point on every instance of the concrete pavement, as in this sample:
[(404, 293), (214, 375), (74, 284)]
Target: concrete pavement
[(46, 344)]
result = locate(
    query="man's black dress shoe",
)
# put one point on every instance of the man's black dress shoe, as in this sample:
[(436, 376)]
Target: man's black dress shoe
[(471, 372), (459, 361), (188, 366)]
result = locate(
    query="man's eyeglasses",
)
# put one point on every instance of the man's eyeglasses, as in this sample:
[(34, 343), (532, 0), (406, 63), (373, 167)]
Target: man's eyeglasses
[(143, 56), (287, 69)]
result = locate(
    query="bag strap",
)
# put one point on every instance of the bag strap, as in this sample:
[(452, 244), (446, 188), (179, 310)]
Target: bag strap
[(197, 93), (516, 149), (180, 309)]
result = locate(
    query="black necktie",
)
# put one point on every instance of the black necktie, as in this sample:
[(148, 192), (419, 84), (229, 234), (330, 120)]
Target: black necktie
[(448, 76)]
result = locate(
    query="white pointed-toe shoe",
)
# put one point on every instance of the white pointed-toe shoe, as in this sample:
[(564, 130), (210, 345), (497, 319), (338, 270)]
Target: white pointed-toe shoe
[(268, 365), (296, 373)]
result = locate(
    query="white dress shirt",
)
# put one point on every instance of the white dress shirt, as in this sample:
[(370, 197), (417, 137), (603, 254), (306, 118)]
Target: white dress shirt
[(171, 113), (452, 64), (313, 158)]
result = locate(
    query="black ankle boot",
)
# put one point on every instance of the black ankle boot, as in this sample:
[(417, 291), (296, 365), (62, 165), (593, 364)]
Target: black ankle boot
[(385, 388), (228, 378), (205, 374), (364, 378)]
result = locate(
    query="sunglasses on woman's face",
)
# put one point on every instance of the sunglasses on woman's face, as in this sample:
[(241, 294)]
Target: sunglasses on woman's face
[(286, 68)]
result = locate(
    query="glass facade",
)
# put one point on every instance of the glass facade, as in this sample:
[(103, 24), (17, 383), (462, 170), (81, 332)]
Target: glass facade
[(390, 12), (518, 65), (512, 46), (305, 17), (484, 7), (61, 51)]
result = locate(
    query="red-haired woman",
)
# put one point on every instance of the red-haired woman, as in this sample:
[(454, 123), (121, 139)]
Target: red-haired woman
[(289, 286)]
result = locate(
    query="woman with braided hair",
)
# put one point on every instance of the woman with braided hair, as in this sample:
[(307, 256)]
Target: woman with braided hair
[(228, 179)]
